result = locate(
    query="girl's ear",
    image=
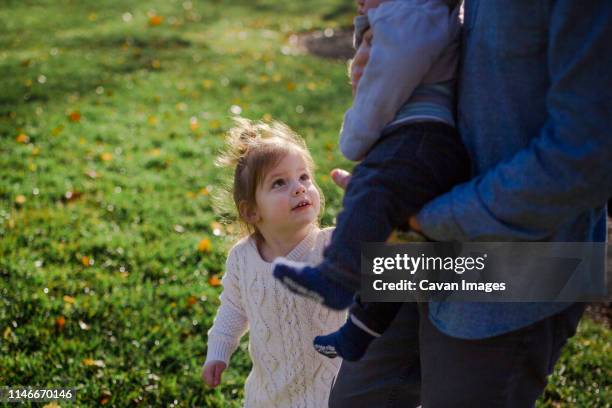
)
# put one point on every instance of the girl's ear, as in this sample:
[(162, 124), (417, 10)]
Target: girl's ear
[(248, 213)]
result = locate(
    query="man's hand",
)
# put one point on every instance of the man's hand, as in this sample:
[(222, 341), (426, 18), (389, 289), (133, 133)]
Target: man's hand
[(211, 372), (360, 60), (343, 177)]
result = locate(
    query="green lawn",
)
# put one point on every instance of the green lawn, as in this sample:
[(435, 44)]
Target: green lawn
[(111, 114)]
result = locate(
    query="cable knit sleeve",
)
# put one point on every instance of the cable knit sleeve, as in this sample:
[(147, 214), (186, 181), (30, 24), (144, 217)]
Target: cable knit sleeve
[(231, 321)]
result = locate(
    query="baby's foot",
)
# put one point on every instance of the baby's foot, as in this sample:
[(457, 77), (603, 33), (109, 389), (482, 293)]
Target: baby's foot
[(350, 341), (308, 281)]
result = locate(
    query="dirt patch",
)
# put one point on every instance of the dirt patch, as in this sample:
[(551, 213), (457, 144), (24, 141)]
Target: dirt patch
[(329, 43)]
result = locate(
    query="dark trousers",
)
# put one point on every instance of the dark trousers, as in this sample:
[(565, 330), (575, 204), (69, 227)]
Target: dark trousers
[(402, 172), (413, 363)]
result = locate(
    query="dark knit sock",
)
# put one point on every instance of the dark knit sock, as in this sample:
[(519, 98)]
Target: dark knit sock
[(309, 282), (350, 342)]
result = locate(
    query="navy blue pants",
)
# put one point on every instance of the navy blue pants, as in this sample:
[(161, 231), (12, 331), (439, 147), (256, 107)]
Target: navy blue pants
[(403, 171)]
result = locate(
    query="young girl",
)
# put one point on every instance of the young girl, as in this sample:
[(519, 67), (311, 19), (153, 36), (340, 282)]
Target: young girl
[(279, 203)]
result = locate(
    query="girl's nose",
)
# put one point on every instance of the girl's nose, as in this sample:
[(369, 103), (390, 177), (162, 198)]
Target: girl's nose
[(300, 189)]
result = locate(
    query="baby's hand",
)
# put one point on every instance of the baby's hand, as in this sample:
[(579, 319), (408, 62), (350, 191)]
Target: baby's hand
[(211, 372)]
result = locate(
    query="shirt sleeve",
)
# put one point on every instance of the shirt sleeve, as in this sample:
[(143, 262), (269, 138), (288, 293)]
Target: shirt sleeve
[(231, 321), (569, 162), (407, 39)]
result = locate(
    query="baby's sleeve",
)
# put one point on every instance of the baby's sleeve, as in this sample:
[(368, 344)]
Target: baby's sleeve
[(408, 38), (231, 321)]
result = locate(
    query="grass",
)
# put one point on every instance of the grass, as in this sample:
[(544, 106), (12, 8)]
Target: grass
[(110, 118)]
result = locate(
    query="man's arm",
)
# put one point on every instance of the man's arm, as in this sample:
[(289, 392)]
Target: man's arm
[(569, 164)]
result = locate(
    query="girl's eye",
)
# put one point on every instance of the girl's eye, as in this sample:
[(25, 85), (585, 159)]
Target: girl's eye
[(278, 183), (305, 177)]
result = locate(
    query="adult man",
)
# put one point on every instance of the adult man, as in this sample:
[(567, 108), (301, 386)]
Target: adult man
[(535, 112)]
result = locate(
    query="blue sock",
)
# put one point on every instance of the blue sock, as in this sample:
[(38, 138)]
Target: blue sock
[(309, 282), (350, 342)]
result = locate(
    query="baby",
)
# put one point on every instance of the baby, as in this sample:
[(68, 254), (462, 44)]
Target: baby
[(401, 126)]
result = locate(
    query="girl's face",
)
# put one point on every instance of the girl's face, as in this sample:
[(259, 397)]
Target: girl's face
[(287, 200)]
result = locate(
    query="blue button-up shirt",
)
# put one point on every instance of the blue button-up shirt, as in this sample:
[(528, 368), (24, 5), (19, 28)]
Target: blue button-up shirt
[(535, 112)]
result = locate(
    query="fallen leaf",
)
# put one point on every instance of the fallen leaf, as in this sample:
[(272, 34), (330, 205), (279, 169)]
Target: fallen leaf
[(60, 322), (191, 300), (214, 281), (7, 333), (106, 156), (71, 196), (22, 138), (57, 130), (90, 362), (20, 199), (74, 116), (69, 299), (204, 245), (193, 124), (155, 20), (87, 261)]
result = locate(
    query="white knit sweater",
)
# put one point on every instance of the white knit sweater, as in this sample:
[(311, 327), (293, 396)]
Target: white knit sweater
[(287, 371)]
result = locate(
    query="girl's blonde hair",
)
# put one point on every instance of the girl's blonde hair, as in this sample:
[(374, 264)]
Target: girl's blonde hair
[(252, 149)]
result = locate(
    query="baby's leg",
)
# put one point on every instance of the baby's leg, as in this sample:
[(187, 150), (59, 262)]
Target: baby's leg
[(401, 173), (366, 322)]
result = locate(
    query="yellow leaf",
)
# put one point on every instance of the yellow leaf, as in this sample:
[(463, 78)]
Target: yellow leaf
[(267, 117), (152, 120), (20, 199), (91, 362), (106, 156), (22, 138), (193, 124), (69, 299), (155, 152), (191, 300), (207, 83), (87, 261), (57, 130), (7, 333), (290, 86), (204, 245), (215, 124)]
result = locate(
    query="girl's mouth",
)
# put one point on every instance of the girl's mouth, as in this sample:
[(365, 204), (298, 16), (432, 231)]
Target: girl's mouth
[(301, 205)]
